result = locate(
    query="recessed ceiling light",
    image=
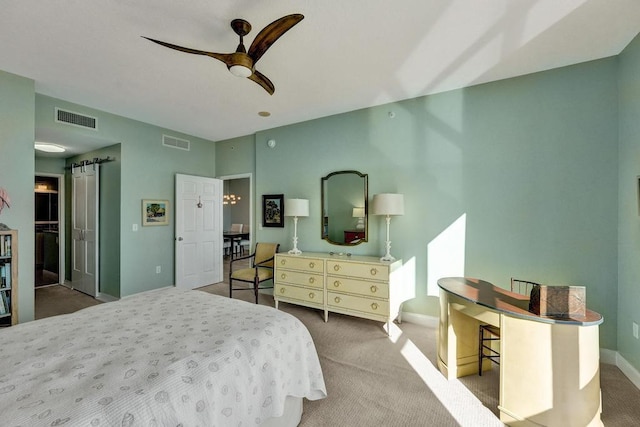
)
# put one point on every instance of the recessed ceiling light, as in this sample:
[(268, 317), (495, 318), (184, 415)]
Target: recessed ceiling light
[(264, 114), (49, 148)]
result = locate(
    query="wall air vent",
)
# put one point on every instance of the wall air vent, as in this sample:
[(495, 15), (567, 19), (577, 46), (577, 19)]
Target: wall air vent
[(76, 119), (173, 142)]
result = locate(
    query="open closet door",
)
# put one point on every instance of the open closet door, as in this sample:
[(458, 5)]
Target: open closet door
[(84, 228), (198, 244)]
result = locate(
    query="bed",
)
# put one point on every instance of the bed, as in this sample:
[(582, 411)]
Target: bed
[(165, 357)]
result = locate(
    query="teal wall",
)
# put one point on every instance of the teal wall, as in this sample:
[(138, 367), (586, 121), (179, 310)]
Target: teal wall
[(511, 178), (147, 170), (17, 117), (237, 156), (50, 165), (629, 204)]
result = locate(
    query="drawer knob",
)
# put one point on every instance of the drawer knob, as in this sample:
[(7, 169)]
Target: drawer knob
[(311, 295), (283, 276), (312, 280), (374, 306), (374, 289), (312, 264), (336, 283), (337, 300), (373, 271), (282, 290), (283, 261), (336, 267)]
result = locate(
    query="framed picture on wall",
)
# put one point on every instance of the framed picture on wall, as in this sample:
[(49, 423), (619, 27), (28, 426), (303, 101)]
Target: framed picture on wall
[(273, 210), (155, 212)]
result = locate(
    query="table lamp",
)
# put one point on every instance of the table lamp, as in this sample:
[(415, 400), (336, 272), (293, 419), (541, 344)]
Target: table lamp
[(388, 204), (296, 208), (359, 213)]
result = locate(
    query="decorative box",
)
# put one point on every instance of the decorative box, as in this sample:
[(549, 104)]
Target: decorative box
[(558, 301)]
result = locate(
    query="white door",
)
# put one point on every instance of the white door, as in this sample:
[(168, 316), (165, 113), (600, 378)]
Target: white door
[(198, 231), (84, 229)]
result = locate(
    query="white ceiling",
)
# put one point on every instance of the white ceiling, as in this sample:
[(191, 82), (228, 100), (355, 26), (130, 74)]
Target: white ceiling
[(345, 55)]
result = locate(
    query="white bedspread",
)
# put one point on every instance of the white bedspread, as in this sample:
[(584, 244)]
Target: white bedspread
[(166, 357)]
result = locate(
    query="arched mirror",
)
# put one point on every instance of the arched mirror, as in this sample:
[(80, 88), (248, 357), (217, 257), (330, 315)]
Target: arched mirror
[(344, 207)]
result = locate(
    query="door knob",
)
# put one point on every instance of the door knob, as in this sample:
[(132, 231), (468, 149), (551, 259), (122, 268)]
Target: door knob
[(179, 239)]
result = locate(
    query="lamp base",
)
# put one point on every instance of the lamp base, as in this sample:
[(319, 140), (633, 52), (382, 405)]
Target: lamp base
[(387, 256), (295, 251)]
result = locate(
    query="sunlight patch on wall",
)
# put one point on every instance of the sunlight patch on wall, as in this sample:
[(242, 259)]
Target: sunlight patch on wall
[(445, 254)]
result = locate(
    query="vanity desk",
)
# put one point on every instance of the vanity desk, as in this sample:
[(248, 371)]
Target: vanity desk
[(549, 367), (361, 286)]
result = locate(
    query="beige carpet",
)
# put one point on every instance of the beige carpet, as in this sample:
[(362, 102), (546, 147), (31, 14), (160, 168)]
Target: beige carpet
[(373, 379)]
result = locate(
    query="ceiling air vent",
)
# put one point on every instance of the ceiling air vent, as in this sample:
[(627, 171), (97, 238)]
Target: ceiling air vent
[(76, 119), (173, 142)]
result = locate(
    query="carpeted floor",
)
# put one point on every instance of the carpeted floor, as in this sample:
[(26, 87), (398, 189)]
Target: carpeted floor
[(373, 379)]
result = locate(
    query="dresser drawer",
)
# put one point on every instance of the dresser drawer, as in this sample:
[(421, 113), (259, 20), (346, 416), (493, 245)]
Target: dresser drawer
[(297, 263), (299, 278), (371, 289), (351, 302), (300, 294), (357, 270)]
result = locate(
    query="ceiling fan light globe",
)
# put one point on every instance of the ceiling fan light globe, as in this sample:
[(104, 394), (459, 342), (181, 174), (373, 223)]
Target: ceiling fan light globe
[(240, 71)]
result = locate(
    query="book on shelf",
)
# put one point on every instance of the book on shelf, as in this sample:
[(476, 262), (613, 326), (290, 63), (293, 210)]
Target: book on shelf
[(5, 246), (4, 304), (5, 276)]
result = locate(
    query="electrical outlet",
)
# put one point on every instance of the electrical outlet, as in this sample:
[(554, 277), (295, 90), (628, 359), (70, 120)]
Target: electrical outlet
[(635, 330), (158, 269), (134, 227)]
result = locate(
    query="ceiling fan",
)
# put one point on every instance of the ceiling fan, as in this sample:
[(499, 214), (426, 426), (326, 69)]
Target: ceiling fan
[(242, 63)]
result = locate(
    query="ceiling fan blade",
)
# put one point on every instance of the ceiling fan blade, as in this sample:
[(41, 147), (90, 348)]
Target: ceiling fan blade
[(224, 57), (271, 33), (263, 81)]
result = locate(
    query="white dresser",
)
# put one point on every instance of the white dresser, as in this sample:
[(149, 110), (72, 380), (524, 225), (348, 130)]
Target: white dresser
[(361, 286)]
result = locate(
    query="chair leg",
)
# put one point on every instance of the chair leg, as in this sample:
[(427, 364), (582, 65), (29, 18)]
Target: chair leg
[(256, 285), (230, 286), (480, 352)]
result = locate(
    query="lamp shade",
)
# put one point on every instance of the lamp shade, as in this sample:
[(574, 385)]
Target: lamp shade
[(388, 204), (358, 213), (296, 207)]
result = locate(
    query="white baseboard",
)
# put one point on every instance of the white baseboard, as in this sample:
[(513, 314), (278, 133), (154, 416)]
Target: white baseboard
[(420, 319), (628, 370), (106, 297), (100, 296), (610, 357)]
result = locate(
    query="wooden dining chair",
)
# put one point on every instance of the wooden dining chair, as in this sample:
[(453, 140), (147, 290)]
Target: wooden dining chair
[(261, 269), (523, 287), (245, 242), (489, 334), (235, 245)]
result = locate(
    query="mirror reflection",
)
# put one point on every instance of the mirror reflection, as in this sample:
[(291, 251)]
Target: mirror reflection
[(344, 207)]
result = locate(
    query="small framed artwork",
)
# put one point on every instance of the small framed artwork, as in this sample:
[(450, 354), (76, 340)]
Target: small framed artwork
[(155, 212), (273, 210)]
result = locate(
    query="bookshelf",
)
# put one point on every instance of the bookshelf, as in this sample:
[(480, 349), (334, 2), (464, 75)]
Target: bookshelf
[(8, 278)]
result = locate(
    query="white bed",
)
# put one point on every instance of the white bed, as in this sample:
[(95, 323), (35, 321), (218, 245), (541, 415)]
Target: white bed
[(166, 357)]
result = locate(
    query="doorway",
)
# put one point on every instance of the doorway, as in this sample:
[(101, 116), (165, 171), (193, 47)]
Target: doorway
[(49, 229), (238, 207)]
